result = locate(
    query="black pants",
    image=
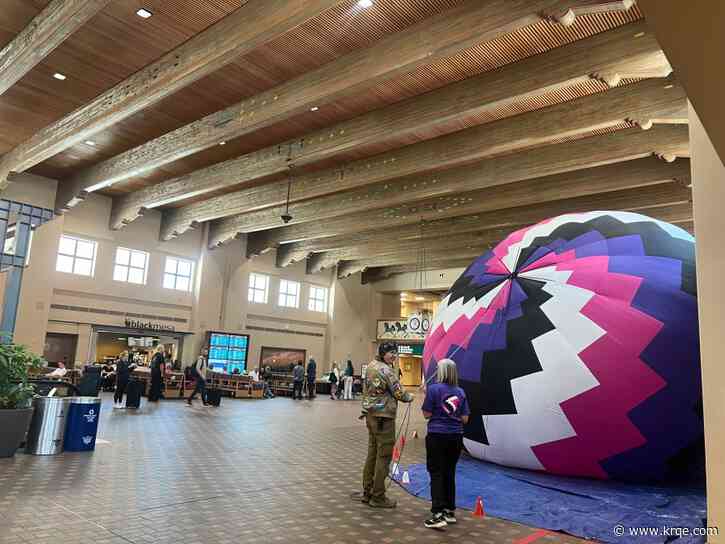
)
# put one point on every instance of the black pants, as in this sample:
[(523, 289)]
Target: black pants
[(311, 390), (120, 390), (297, 391), (155, 390), (200, 388), (442, 453)]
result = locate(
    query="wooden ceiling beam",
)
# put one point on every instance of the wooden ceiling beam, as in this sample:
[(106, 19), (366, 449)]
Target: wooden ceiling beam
[(678, 211), (543, 161), (380, 273), (646, 100), (613, 177), (374, 274), (615, 52), (255, 23), (46, 31), (445, 247), (641, 198), (435, 38)]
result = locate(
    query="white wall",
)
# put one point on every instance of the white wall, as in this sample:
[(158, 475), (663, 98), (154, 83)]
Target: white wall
[(708, 195)]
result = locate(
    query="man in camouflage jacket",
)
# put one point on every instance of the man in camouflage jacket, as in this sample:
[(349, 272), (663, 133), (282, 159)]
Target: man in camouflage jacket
[(381, 393)]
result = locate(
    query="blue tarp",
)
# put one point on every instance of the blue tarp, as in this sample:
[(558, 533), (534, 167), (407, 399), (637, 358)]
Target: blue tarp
[(585, 508)]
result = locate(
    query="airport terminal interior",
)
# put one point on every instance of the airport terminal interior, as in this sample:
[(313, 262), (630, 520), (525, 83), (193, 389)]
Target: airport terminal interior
[(361, 271)]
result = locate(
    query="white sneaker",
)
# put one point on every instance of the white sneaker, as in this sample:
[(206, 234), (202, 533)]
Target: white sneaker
[(449, 516)]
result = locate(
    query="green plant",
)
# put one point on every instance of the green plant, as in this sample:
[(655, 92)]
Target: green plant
[(15, 361)]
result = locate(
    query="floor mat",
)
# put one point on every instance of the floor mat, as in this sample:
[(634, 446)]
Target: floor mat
[(585, 508)]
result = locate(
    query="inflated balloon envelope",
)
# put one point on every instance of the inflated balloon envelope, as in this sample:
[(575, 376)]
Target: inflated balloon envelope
[(576, 341)]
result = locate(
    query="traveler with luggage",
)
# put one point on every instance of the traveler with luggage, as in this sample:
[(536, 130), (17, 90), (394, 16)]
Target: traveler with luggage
[(157, 364), (123, 374), (197, 372)]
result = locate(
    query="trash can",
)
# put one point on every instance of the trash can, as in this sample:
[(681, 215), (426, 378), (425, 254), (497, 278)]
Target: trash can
[(82, 426), (47, 427)]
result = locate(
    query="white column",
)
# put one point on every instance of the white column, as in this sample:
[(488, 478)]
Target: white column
[(708, 180)]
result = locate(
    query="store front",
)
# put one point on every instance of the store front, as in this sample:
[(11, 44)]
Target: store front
[(410, 359), (109, 341), (409, 334)]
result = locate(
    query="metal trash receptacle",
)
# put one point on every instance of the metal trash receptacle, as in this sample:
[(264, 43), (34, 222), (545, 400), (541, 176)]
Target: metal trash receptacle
[(47, 427), (82, 425)]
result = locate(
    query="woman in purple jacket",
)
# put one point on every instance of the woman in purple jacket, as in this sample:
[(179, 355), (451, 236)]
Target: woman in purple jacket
[(446, 409)]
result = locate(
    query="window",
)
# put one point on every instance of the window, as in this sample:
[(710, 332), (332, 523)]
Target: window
[(318, 299), (289, 294), (131, 265), (258, 288), (76, 256), (178, 273)]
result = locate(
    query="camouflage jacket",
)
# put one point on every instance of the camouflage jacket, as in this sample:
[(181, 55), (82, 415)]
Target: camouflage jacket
[(382, 391)]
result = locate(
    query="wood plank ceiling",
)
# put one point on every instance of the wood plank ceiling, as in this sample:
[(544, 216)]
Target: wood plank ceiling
[(400, 127)]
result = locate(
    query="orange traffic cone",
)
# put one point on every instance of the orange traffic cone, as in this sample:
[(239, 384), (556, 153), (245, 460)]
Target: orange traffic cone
[(479, 512)]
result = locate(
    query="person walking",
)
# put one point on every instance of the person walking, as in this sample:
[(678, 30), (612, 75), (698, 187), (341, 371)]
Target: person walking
[(198, 371), (311, 378), (349, 371), (157, 364), (446, 409), (334, 379), (123, 375), (381, 393), (298, 379), (267, 377)]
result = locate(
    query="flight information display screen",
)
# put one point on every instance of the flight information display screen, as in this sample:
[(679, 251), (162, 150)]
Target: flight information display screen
[(228, 352)]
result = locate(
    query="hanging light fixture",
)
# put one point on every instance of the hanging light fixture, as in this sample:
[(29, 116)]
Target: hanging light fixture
[(419, 278), (286, 217)]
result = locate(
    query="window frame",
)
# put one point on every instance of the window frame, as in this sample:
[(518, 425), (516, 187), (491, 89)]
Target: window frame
[(312, 300), (129, 266), (252, 288), (176, 275), (75, 258), (284, 296)]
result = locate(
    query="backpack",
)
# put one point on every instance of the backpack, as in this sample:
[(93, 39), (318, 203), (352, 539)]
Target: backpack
[(333, 378)]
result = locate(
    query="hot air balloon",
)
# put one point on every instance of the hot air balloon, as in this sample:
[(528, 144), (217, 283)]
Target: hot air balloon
[(576, 341)]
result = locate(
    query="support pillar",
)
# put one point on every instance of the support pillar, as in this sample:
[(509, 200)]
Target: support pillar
[(708, 181)]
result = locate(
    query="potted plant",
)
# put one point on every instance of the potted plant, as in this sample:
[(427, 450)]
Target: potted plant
[(16, 395)]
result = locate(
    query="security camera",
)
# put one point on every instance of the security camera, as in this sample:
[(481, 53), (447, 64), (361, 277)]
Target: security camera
[(286, 218)]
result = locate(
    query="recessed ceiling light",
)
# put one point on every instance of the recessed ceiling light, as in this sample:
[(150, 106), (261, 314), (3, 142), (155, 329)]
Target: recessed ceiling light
[(365, 3), (222, 143), (144, 13), (314, 108), (59, 76), (403, 295), (419, 298), (90, 142)]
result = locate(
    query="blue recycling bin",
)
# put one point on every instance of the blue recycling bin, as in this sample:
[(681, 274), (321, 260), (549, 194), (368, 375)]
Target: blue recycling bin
[(82, 424)]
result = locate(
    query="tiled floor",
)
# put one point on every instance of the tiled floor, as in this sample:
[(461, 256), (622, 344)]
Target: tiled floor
[(250, 471)]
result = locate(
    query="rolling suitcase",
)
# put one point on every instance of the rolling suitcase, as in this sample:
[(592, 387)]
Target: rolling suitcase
[(214, 397), (133, 394)]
